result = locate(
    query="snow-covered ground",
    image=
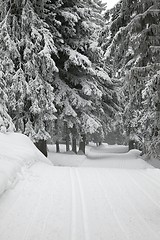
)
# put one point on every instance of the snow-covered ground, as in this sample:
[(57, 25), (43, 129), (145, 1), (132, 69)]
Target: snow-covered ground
[(17, 153), (117, 199), (104, 156)]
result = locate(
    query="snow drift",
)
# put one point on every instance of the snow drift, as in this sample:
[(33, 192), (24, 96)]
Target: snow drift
[(17, 152)]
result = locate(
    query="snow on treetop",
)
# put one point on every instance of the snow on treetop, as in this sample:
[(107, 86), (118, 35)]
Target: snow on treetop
[(77, 59), (65, 92), (90, 88), (41, 134), (21, 85), (81, 11), (89, 124), (49, 45), (35, 109), (89, 25), (112, 45), (68, 110), (35, 34), (68, 16), (1, 74), (102, 74), (94, 47)]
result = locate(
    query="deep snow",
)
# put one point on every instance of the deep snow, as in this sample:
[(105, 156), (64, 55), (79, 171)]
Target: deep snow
[(17, 153), (117, 199), (104, 156)]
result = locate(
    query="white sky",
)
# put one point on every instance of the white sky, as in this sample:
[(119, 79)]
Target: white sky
[(110, 3)]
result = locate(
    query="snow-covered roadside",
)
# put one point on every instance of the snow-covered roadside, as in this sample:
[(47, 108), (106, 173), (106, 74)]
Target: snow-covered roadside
[(104, 156), (77, 203), (62, 203), (17, 153)]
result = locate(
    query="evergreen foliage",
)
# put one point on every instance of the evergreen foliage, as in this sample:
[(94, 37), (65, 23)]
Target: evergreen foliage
[(133, 52), (27, 66), (84, 91), (53, 79)]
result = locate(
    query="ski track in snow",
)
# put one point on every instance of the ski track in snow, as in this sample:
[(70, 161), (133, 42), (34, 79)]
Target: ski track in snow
[(133, 221), (62, 203), (78, 219)]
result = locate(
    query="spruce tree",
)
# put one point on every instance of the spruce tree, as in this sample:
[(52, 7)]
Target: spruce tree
[(6, 123), (52, 70), (28, 68), (132, 50), (83, 88)]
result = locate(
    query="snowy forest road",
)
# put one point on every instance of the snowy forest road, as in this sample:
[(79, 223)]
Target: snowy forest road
[(62, 203)]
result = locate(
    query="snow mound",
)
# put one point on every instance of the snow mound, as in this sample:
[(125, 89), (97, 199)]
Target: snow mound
[(135, 153), (17, 152)]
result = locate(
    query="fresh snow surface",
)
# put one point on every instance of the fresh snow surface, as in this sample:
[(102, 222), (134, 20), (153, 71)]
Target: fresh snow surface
[(104, 156), (104, 202), (17, 153)]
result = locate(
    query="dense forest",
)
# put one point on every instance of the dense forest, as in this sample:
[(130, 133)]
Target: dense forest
[(131, 41), (72, 71)]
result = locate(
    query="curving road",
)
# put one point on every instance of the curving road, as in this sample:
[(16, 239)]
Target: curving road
[(62, 203)]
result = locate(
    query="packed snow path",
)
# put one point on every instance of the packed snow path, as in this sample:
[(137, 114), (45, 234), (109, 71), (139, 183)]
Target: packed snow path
[(62, 203)]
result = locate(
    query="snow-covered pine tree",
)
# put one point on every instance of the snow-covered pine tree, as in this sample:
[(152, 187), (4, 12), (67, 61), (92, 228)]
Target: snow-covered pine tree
[(133, 51), (27, 67), (83, 86), (6, 123)]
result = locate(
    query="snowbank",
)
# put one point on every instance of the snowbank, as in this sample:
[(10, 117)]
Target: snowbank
[(17, 152), (104, 156)]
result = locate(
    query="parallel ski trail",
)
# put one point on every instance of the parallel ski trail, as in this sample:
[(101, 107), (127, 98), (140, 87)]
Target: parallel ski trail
[(140, 185), (55, 203), (79, 228), (131, 220), (102, 223), (73, 207), (84, 210), (121, 189), (149, 178), (143, 205), (111, 207)]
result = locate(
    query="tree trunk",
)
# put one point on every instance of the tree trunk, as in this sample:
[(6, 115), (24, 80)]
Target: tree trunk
[(74, 144), (67, 137), (131, 144), (74, 137), (100, 143), (57, 141), (42, 146), (82, 143), (67, 143), (57, 146)]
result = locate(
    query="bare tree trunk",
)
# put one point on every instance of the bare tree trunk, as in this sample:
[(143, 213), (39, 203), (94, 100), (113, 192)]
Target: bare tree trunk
[(131, 144), (74, 138), (67, 137), (67, 143), (57, 141), (82, 143), (42, 146), (57, 147), (74, 144)]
